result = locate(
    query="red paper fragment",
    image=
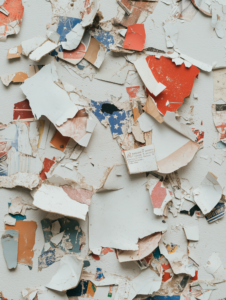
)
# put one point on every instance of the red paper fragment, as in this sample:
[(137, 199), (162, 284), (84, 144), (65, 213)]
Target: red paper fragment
[(135, 37), (16, 11), (158, 195), (106, 250), (79, 195), (166, 267), (196, 276), (22, 111), (132, 91), (178, 80), (166, 276), (96, 257), (47, 163)]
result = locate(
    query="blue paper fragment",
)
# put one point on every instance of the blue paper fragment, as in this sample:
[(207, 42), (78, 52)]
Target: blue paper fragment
[(17, 216), (46, 259), (106, 38), (220, 145), (216, 213), (65, 25), (157, 254), (10, 247), (86, 264), (99, 274), (116, 118), (158, 297)]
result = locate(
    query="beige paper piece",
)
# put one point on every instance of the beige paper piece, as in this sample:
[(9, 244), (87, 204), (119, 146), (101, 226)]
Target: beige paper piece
[(26, 180), (151, 108), (219, 88), (95, 53)]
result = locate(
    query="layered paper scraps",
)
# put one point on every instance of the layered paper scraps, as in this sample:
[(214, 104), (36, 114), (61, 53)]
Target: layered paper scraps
[(108, 226), (208, 194), (147, 76), (178, 80), (15, 78), (73, 38), (135, 37), (141, 160), (64, 115), (178, 259), (68, 274), (173, 156), (10, 247), (160, 195), (89, 13), (26, 180), (10, 23), (146, 246), (95, 53), (151, 108), (26, 240), (219, 118), (42, 293), (56, 200), (215, 267)]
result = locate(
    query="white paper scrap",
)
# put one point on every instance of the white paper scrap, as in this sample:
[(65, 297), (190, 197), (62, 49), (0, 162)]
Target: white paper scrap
[(192, 233)]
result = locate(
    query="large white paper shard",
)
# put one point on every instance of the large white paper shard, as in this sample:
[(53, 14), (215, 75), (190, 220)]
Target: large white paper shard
[(192, 233), (171, 32), (170, 120), (42, 50), (90, 12), (23, 140), (202, 66), (30, 45), (208, 194), (173, 156), (146, 283), (141, 159), (26, 180), (178, 260), (110, 212), (48, 99), (74, 37), (54, 199), (214, 267), (68, 275), (147, 77)]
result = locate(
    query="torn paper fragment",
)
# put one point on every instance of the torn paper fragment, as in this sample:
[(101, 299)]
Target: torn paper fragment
[(105, 230), (26, 180), (42, 293), (139, 11), (216, 213), (55, 200), (146, 283), (170, 120), (135, 37), (208, 194), (178, 80), (112, 179), (68, 274), (90, 10), (151, 108), (198, 5), (219, 118), (26, 240), (219, 89), (10, 24), (178, 259), (32, 44), (147, 77), (95, 53), (74, 37), (50, 100), (57, 239), (173, 156), (10, 247), (192, 233), (217, 24), (202, 66), (53, 36), (188, 11), (42, 50), (159, 194), (79, 128), (171, 32), (79, 195), (146, 246), (15, 77), (14, 52), (215, 267), (8, 220), (141, 160)]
